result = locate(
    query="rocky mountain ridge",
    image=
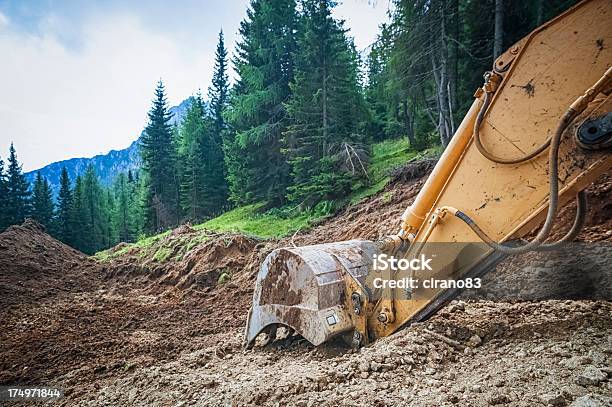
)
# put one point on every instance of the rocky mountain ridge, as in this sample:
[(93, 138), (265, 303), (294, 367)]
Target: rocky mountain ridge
[(108, 165)]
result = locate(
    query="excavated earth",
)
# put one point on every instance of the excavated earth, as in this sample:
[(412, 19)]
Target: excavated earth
[(162, 324)]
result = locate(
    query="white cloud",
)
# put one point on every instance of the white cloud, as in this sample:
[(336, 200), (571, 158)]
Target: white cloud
[(57, 103), (363, 18), (3, 20)]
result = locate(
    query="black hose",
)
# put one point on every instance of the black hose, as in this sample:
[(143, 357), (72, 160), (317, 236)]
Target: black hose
[(489, 155), (579, 221), (538, 241), (553, 155)]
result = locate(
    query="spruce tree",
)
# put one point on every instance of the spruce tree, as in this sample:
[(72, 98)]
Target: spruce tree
[(158, 152), (64, 209), (324, 143), (89, 214), (218, 93), (3, 198), (42, 202), (124, 214), (78, 229), (108, 219), (256, 168), (194, 132), (212, 147), (18, 191)]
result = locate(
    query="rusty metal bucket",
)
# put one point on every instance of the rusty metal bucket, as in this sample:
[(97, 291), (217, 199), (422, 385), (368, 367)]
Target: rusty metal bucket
[(304, 289)]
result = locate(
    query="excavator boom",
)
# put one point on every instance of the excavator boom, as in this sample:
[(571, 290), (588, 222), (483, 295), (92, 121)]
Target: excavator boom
[(538, 133)]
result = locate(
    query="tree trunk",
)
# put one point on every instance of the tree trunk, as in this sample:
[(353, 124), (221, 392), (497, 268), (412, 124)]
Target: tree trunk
[(409, 123), (498, 40), (440, 65), (454, 56), (324, 107), (539, 12)]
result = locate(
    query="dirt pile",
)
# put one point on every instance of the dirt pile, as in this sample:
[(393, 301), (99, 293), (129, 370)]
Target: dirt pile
[(35, 266), (185, 258), (63, 312)]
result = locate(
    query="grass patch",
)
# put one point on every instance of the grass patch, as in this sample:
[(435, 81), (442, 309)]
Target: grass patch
[(387, 155), (162, 254), (224, 278), (104, 255), (109, 254), (368, 191), (251, 220), (146, 242)]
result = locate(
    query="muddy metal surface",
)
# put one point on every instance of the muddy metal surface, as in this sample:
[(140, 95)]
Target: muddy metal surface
[(132, 331)]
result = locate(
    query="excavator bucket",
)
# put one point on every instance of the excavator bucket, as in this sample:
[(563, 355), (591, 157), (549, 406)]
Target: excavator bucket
[(305, 289)]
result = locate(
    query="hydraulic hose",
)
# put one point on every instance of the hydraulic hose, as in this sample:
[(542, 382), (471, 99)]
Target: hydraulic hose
[(553, 162), (553, 156), (579, 221), (489, 155)]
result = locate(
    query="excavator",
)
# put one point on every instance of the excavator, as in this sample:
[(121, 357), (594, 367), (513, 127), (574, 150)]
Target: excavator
[(537, 135)]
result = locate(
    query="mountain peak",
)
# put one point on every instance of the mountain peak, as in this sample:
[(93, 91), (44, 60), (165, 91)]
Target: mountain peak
[(108, 165)]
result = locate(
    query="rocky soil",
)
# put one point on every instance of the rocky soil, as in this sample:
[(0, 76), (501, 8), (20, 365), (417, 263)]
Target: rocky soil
[(162, 325)]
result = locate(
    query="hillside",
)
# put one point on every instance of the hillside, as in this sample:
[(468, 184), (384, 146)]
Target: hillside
[(108, 165)]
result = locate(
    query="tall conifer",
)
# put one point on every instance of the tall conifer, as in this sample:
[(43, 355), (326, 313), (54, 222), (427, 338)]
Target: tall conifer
[(256, 168), (42, 202), (64, 209), (158, 152), (18, 191), (324, 143)]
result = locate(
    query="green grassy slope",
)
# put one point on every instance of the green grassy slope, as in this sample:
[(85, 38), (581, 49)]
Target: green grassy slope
[(250, 219)]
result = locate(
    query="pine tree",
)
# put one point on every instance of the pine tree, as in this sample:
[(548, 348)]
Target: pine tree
[(124, 214), (81, 235), (89, 213), (212, 148), (3, 198), (218, 93), (64, 209), (391, 115), (324, 144), (256, 168), (42, 202), (194, 132), (158, 152), (18, 191), (108, 219)]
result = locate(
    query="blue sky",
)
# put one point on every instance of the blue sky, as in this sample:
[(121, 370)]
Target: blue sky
[(77, 77)]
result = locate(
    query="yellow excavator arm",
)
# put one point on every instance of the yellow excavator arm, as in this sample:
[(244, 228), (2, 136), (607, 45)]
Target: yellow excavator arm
[(538, 133)]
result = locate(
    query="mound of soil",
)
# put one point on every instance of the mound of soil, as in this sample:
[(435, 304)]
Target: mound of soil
[(67, 320), (35, 266)]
